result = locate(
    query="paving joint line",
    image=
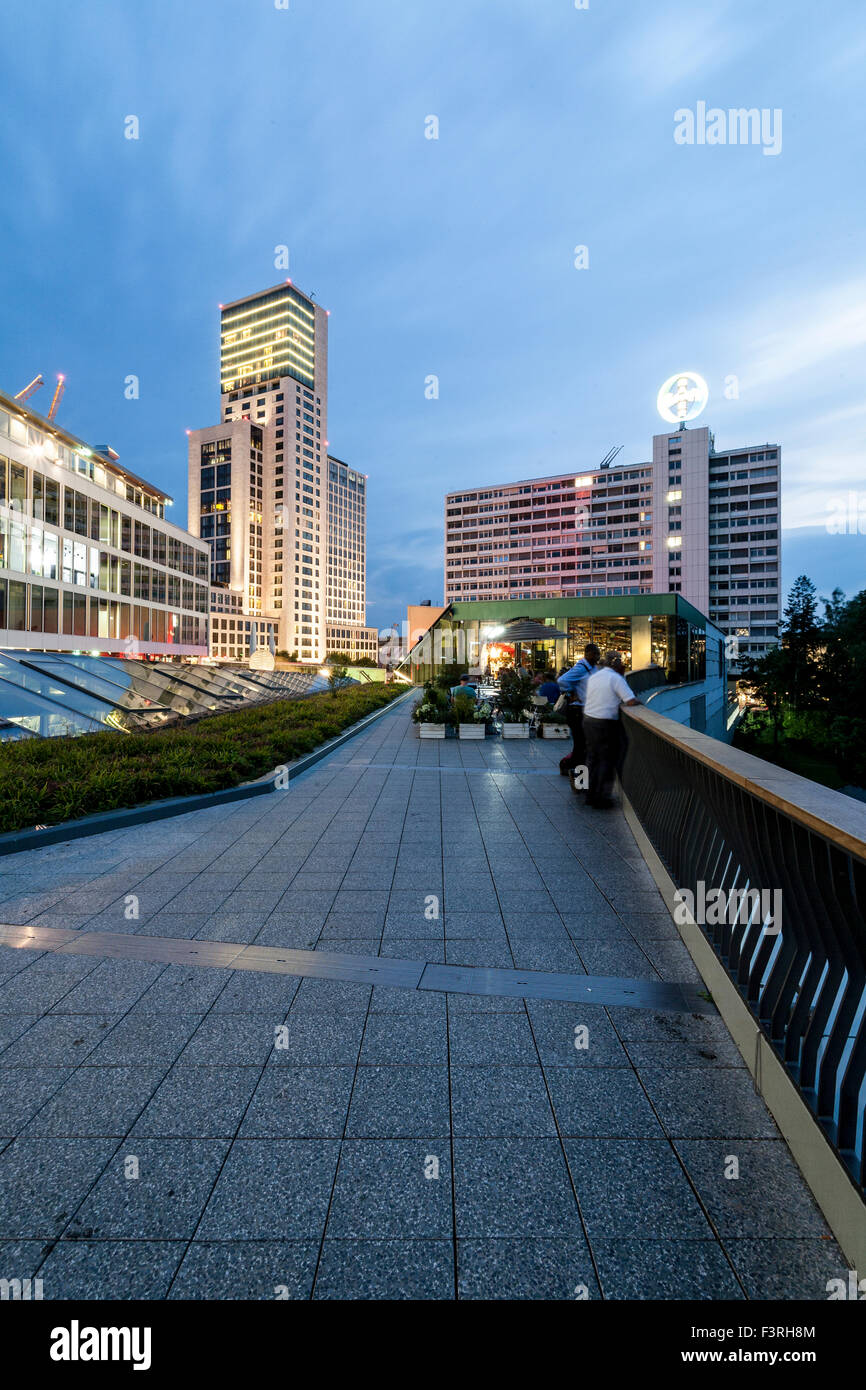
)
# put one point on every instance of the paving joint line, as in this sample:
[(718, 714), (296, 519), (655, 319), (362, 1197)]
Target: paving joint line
[(413, 974)]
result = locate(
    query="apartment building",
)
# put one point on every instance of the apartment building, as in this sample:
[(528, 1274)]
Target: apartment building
[(695, 520), (88, 560)]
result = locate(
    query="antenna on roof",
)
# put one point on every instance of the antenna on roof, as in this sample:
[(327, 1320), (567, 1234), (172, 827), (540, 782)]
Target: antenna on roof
[(611, 455)]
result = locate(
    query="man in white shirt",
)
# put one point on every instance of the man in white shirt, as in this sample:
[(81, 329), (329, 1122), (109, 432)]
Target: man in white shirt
[(605, 738)]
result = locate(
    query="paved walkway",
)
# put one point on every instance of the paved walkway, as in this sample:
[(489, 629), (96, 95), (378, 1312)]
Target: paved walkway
[(187, 1128)]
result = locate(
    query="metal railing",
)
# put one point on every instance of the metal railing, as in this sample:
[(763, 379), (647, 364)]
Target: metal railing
[(647, 678), (801, 967)]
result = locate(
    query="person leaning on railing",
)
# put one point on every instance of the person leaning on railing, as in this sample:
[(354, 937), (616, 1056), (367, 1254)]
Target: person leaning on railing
[(602, 729)]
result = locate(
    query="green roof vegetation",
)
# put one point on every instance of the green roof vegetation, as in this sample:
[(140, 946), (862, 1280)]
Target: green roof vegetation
[(47, 781)]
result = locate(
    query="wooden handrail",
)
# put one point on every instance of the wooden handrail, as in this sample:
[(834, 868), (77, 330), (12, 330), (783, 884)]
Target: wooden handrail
[(839, 818)]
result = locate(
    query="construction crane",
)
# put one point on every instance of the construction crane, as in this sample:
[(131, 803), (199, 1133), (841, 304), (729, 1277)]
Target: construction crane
[(58, 396), (609, 456), (31, 388)]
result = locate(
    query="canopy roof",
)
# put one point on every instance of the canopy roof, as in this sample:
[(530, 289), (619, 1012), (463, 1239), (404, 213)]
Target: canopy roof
[(528, 630)]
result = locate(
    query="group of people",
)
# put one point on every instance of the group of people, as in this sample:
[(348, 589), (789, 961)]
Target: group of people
[(595, 688)]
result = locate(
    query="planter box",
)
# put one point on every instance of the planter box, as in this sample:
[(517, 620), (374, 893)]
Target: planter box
[(471, 730), (554, 731), (431, 730), (515, 730)]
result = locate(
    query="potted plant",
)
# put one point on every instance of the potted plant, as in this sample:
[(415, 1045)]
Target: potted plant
[(515, 692), (552, 725), (432, 713), (471, 718)]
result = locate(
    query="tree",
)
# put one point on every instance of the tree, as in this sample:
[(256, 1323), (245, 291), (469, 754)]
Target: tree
[(801, 638), (770, 677), (833, 659), (834, 609), (814, 683), (336, 664), (843, 683)]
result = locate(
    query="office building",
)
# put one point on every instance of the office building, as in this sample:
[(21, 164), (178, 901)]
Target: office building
[(260, 482), (235, 635), (346, 603), (88, 560), (695, 520)]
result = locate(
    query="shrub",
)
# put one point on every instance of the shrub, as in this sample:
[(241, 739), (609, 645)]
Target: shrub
[(48, 781), (464, 709), (515, 690), (433, 707)]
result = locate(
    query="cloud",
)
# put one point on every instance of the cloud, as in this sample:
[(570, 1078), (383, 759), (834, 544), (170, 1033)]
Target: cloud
[(672, 49), (807, 333)]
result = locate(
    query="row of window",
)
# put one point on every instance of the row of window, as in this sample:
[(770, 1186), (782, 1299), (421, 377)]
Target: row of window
[(28, 493), (82, 461), (44, 609), (28, 549)]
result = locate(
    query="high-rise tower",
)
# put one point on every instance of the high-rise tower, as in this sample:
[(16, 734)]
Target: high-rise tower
[(258, 481)]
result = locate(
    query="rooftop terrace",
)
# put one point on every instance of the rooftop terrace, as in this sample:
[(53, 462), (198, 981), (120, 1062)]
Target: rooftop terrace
[(420, 1026)]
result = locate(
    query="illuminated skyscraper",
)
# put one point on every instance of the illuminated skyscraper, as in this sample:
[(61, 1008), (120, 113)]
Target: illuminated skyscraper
[(257, 482)]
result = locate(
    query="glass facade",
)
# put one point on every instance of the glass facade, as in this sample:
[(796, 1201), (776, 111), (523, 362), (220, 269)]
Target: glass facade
[(56, 694), (91, 557), (270, 335), (670, 640)]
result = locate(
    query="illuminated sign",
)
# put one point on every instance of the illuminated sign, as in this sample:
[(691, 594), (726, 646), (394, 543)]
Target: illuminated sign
[(682, 397)]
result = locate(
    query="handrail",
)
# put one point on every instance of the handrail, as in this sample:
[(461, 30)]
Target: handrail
[(782, 860), (839, 817)]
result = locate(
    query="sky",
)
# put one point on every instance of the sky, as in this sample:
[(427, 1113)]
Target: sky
[(304, 123)]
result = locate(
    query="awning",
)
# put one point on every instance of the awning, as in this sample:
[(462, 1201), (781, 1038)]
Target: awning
[(527, 630)]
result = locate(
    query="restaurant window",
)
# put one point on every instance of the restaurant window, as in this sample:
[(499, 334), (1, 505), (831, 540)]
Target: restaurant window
[(697, 654)]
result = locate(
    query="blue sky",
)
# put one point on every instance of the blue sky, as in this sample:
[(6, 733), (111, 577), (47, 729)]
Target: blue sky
[(305, 126)]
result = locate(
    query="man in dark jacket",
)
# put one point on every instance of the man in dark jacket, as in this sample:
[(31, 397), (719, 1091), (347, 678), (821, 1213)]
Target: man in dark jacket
[(573, 684)]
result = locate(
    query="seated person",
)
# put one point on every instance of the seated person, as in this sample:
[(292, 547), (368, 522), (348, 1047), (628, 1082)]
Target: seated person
[(548, 688), (464, 687)]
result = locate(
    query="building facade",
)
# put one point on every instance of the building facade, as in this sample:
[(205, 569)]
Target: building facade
[(285, 524), (235, 635), (284, 521), (88, 560), (361, 644), (346, 604), (695, 521), (674, 656), (257, 481)]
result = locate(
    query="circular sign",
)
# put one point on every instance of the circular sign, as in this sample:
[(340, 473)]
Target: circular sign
[(682, 397)]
